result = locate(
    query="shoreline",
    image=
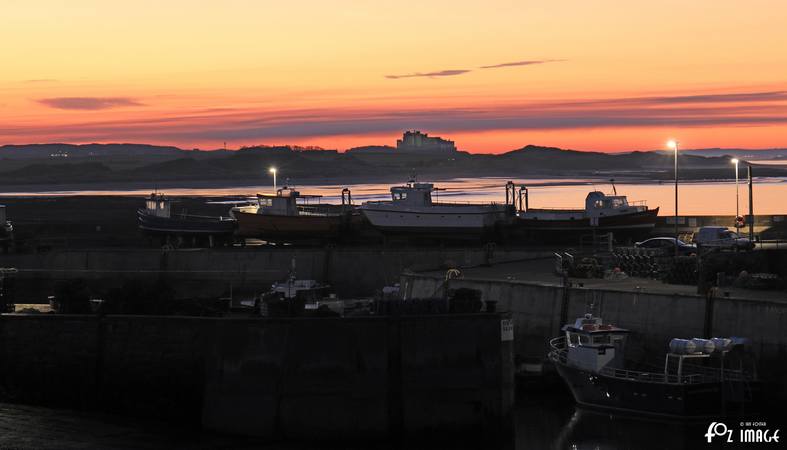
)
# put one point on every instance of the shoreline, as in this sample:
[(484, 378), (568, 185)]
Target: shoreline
[(141, 189)]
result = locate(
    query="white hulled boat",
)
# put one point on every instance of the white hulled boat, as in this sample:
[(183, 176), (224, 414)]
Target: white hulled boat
[(412, 210)]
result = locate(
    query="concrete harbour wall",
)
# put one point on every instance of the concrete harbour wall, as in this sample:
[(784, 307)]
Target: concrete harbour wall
[(344, 379), (215, 272)]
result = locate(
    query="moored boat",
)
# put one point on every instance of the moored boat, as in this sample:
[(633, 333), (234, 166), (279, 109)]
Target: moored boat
[(694, 382)]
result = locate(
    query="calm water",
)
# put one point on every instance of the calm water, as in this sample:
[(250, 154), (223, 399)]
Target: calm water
[(706, 197), (540, 423)]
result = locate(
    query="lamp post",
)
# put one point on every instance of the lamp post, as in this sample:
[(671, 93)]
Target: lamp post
[(673, 144), (273, 171), (737, 196)]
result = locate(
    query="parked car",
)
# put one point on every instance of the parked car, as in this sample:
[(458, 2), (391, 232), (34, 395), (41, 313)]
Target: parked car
[(668, 245), (721, 237)]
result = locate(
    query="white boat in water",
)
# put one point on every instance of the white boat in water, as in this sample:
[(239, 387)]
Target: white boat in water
[(412, 210)]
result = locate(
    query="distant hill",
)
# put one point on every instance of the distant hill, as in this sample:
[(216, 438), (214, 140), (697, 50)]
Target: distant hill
[(372, 149), (34, 151), (770, 153), (104, 163)]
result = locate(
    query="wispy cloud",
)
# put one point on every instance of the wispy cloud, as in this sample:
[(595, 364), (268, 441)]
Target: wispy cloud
[(439, 73), (89, 103), (721, 98), (454, 72), (521, 63), (41, 80), (737, 109)]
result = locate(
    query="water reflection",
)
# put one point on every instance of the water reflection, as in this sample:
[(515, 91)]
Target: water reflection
[(696, 197), (547, 423)]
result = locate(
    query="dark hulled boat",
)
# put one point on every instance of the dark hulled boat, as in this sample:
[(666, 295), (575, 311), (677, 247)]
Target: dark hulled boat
[(602, 213), (157, 218), (287, 216), (694, 381)]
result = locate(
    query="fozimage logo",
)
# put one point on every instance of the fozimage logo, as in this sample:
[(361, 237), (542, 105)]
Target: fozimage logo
[(718, 429), (749, 432)]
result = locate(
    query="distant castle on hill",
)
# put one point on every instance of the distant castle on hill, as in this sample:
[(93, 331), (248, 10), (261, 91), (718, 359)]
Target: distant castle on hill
[(412, 143), (417, 142)]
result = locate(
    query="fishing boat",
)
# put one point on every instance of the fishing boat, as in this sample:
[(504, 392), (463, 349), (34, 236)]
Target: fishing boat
[(602, 213), (6, 229), (157, 217), (700, 377), (412, 209), (289, 216)]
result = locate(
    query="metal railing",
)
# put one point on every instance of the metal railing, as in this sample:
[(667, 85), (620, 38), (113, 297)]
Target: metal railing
[(559, 354)]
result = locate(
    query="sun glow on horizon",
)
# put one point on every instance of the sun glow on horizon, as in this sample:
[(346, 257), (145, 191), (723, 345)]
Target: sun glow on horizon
[(350, 73)]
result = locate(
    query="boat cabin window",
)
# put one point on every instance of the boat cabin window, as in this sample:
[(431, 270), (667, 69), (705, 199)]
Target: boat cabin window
[(576, 339), (264, 201), (611, 202), (618, 202), (601, 339), (399, 195)]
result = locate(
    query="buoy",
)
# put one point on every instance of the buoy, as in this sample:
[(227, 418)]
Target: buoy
[(705, 346), (682, 346)]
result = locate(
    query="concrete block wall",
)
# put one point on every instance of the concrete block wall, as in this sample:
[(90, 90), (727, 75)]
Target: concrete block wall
[(362, 378), (48, 359)]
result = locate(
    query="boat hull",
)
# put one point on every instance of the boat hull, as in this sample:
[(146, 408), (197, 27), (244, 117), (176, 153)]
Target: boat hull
[(638, 224), (185, 225), (643, 397), (447, 221), (271, 227)]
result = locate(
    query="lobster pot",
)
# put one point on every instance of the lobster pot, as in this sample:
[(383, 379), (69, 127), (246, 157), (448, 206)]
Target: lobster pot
[(722, 344), (2, 215), (705, 346), (682, 346)]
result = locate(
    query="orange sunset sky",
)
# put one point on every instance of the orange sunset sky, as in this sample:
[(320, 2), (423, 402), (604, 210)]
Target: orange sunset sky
[(493, 76)]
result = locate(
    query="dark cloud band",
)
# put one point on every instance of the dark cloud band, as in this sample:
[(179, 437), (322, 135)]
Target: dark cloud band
[(703, 110), (88, 103)]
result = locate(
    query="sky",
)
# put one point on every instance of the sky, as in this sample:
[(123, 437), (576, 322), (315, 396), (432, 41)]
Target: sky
[(493, 76)]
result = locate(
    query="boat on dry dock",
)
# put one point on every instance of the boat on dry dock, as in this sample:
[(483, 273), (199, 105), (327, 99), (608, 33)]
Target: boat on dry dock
[(158, 218), (289, 216), (602, 213), (700, 377), (412, 209)]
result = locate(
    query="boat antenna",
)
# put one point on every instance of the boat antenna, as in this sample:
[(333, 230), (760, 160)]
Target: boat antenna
[(614, 190)]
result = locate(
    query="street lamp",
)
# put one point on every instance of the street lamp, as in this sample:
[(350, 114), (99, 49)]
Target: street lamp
[(673, 144), (737, 196), (273, 171)]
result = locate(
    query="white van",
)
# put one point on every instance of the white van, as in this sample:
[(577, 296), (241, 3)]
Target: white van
[(721, 237)]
